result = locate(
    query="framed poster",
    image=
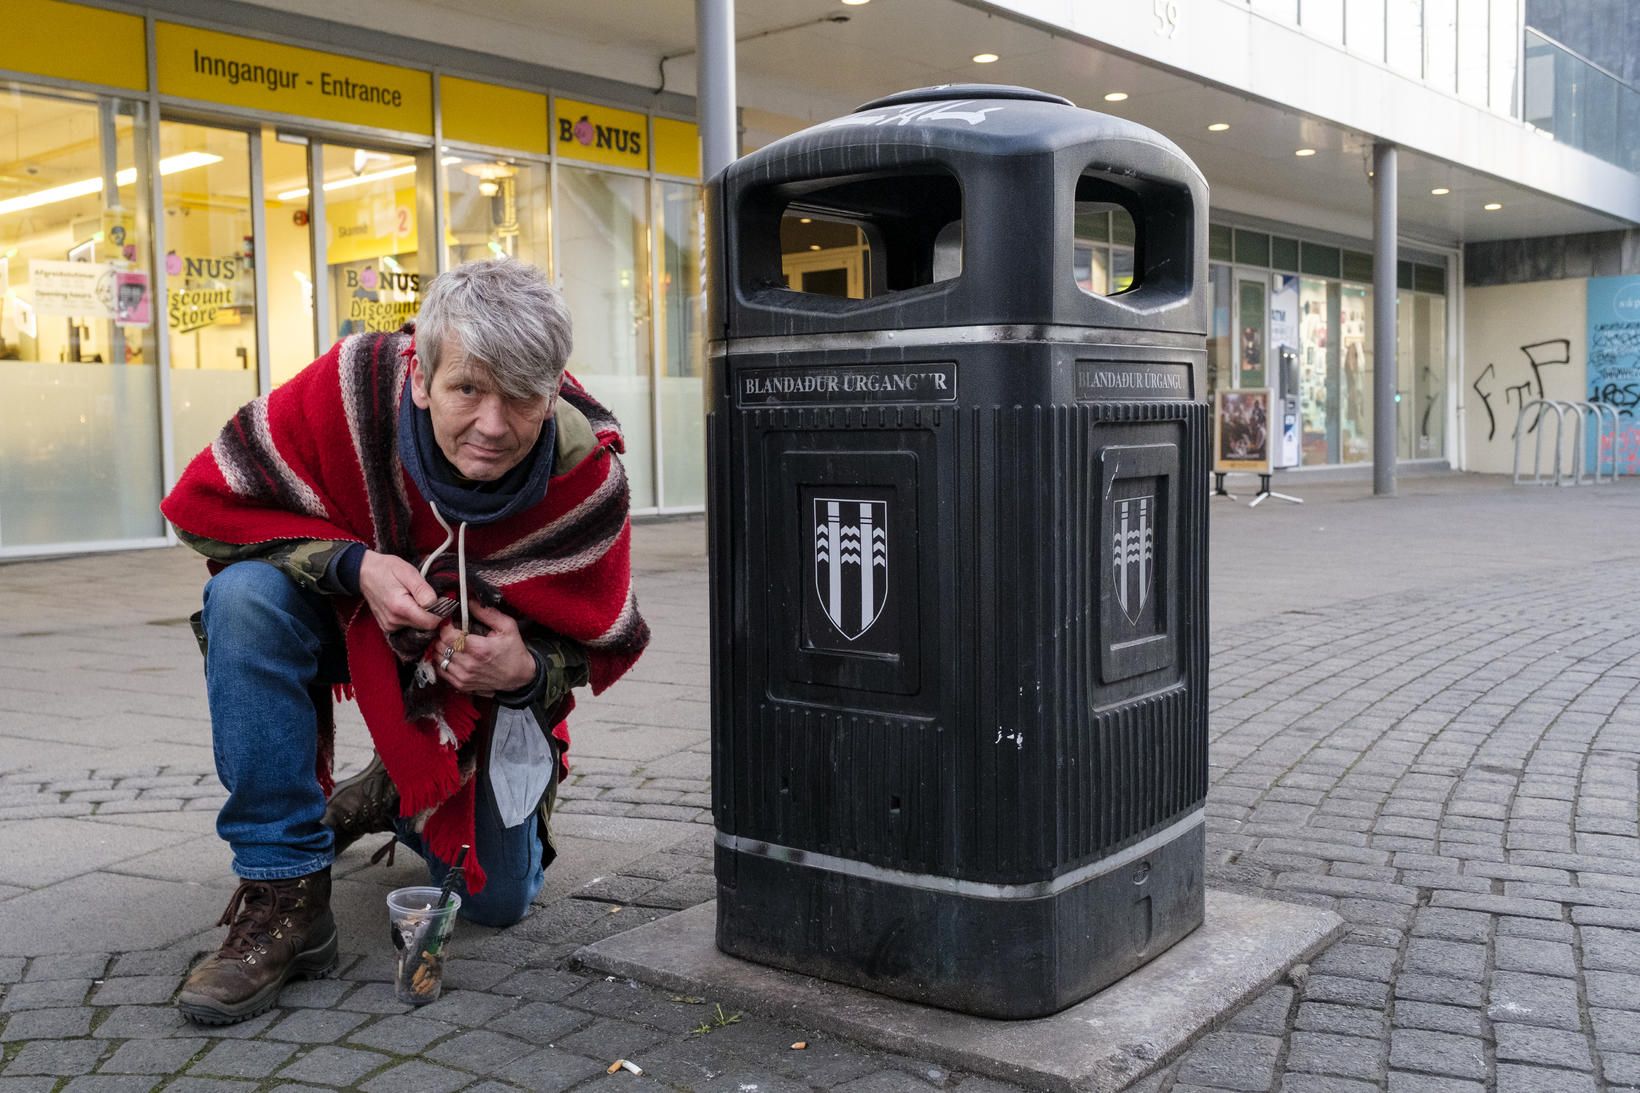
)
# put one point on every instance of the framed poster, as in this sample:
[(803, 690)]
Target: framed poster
[(1241, 433)]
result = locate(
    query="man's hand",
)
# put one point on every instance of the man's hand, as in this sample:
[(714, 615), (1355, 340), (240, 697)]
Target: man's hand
[(497, 661), (396, 593)]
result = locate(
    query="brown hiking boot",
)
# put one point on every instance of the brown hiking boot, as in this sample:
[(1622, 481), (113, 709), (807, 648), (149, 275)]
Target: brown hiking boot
[(278, 930), (362, 805)]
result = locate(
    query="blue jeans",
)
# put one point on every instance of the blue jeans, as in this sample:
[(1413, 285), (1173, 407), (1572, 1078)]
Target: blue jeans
[(268, 642)]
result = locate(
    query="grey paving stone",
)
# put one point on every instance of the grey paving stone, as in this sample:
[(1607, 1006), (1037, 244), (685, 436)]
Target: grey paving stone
[(1615, 1030), (479, 1050), (421, 1077), (11, 969), (1431, 988), (1523, 954), (475, 975), (611, 1038), (1610, 950), (36, 994), (1534, 1000), (48, 1024), (27, 1085), (1543, 1047), (1437, 1018), (311, 1026), (1439, 1053), (1514, 1078), (111, 1083), (468, 1008), (1344, 1056), (64, 1058), (191, 1084), (541, 1022), (1340, 1020), (1620, 1069), (313, 993), (1612, 990), (1356, 962), (84, 966), (135, 990), (401, 1034), (153, 962), (1231, 1060), (372, 998), (245, 1059), (1322, 1083), (141, 1023), (551, 1070), (328, 1064), (1447, 959), (152, 1056)]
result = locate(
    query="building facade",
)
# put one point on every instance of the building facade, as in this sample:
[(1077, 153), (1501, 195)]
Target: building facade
[(199, 196)]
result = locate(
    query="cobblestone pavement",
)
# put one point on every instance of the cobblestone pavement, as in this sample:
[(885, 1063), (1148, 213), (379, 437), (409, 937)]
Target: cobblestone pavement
[(1444, 749)]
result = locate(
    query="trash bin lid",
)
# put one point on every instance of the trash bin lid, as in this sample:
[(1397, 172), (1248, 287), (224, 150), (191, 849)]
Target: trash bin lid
[(944, 91)]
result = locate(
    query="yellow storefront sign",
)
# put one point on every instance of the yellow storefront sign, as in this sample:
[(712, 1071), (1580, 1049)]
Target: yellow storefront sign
[(234, 71), (601, 134), (677, 147), (499, 117), (73, 42)]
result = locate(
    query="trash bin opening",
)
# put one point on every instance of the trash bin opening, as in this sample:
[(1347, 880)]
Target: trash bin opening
[(854, 238), (1106, 239)]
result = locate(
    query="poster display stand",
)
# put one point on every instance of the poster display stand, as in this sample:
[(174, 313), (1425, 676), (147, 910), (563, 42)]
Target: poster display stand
[(1242, 441)]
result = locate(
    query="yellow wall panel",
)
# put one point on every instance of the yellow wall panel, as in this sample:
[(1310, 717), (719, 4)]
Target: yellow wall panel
[(677, 147), (73, 42), (501, 117), (225, 68)]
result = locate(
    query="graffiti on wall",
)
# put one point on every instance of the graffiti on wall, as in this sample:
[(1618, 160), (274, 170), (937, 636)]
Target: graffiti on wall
[(1549, 353)]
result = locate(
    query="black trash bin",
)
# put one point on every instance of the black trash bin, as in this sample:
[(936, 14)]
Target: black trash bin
[(958, 549)]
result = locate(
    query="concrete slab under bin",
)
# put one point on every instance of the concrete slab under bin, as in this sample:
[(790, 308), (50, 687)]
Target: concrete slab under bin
[(1103, 1044)]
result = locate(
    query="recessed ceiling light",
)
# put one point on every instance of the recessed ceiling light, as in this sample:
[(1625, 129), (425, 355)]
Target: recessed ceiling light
[(1218, 127), (1491, 206), (1440, 191), (1305, 152), (856, 3), (814, 246), (984, 58), (805, 220), (1116, 96)]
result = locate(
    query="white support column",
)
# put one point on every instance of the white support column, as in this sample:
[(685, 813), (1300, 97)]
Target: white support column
[(715, 84), (1385, 256)]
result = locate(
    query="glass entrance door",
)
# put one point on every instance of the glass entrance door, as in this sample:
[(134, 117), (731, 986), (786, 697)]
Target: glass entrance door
[(1252, 329), (371, 275), (210, 278)]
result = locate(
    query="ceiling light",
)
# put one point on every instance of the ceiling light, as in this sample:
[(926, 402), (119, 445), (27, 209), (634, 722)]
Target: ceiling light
[(984, 58), (1305, 152), (805, 220), (856, 3), (373, 176), (1116, 96), (187, 161), (1440, 191), (1492, 206), (1218, 127), (814, 246), (489, 187)]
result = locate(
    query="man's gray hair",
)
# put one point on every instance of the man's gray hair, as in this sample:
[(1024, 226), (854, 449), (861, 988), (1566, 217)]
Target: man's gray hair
[(505, 316)]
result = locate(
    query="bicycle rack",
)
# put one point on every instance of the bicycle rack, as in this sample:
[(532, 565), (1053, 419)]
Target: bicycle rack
[(1596, 415)]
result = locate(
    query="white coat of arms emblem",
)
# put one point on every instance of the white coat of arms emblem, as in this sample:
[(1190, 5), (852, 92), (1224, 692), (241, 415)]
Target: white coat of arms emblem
[(851, 562), (1133, 554)]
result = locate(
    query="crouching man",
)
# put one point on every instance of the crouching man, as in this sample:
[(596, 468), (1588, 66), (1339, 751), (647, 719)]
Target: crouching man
[(432, 522)]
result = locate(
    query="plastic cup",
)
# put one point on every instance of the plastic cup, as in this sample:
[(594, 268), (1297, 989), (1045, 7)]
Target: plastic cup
[(421, 933)]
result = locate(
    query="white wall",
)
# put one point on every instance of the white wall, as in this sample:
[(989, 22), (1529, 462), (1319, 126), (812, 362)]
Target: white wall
[(1506, 329)]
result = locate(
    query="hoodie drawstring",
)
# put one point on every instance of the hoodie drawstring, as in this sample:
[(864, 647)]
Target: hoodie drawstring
[(459, 535)]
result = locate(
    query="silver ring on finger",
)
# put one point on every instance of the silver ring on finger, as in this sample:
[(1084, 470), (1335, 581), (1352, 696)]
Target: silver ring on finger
[(444, 664)]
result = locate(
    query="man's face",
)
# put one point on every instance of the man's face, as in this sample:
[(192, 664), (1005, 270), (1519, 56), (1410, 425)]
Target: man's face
[(481, 432)]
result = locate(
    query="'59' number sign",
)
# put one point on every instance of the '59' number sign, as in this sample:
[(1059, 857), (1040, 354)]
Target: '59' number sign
[(1167, 17)]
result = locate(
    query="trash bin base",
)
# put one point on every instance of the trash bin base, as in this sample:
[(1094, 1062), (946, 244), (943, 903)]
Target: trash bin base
[(1006, 958)]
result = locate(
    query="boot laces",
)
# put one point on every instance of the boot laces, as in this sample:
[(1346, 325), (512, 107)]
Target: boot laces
[(257, 912)]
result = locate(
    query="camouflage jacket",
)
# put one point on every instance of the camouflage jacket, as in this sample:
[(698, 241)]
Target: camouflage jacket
[(311, 563)]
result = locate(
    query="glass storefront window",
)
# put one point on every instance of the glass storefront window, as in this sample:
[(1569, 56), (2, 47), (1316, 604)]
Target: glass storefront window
[(1364, 30), (1220, 374), (1429, 387), (372, 271), (1355, 379), (79, 424), (681, 312), (602, 224), (1251, 325), (288, 254), (1441, 44), (1323, 18), (210, 282), (1404, 28), (497, 208), (1474, 44), (1318, 399)]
